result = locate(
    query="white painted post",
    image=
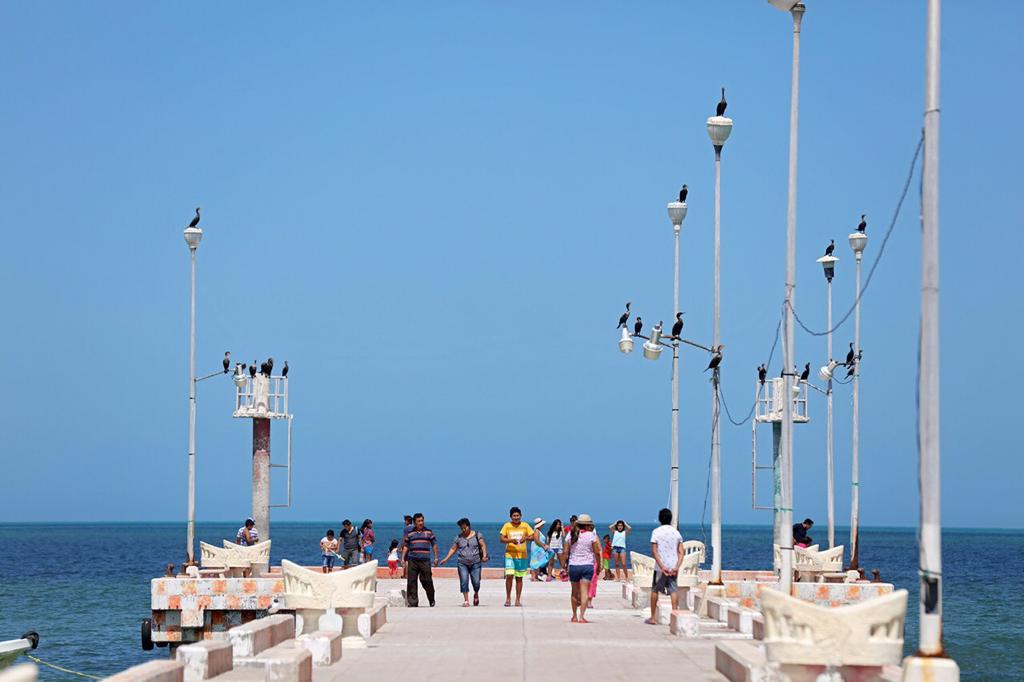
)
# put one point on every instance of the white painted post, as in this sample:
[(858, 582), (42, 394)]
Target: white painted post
[(830, 465), (855, 452), (193, 235), (674, 457)]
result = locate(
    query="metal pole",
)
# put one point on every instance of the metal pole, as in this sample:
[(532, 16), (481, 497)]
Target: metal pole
[(855, 454), (674, 464), (716, 446), (261, 476), (191, 542), (829, 435), (930, 643), (788, 350), (777, 489)]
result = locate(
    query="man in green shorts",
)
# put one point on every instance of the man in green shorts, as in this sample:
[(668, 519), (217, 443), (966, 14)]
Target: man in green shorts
[(514, 535)]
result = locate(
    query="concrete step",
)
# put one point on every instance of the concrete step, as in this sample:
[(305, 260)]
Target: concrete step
[(741, 661), (285, 662)]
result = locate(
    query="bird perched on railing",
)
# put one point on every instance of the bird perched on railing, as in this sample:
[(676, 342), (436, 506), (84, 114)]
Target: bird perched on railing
[(682, 194), (227, 361), (762, 372), (863, 223), (722, 104), (804, 375), (830, 248), (266, 368), (624, 318), (195, 220), (853, 363), (638, 326), (849, 356), (284, 370), (252, 369), (677, 328), (716, 358)]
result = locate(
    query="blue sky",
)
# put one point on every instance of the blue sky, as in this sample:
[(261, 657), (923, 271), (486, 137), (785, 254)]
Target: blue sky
[(436, 212)]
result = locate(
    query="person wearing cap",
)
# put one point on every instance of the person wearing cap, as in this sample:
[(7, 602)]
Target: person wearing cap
[(248, 535), (514, 535), (540, 552), (583, 551)]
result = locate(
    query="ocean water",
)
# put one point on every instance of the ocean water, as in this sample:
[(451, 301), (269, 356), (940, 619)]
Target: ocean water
[(85, 587)]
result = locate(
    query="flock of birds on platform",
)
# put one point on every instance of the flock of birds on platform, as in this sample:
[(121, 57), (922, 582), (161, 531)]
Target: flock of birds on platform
[(266, 367)]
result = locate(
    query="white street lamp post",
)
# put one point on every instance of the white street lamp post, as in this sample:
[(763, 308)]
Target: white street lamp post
[(676, 214), (719, 129), (785, 539), (193, 235), (828, 264), (858, 242)]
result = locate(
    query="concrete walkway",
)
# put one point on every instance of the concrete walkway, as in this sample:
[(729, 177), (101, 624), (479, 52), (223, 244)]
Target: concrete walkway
[(536, 642)]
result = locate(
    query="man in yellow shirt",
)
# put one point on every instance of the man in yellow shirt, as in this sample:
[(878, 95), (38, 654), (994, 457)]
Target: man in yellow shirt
[(514, 535)]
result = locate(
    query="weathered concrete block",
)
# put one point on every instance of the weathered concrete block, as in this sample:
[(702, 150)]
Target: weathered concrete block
[(916, 669), (26, 672), (325, 647), (664, 612), (378, 617), (396, 597), (684, 624), (741, 661), (757, 626), (249, 639), (718, 609), (741, 619), (285, 662), (205, 659), (641, 597), (154, 671)]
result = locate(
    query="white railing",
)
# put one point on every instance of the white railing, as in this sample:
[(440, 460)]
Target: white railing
[(261, 396), (770, 402)]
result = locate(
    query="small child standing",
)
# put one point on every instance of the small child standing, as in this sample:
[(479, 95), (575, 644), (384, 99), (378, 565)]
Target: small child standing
[(606, 558), (393, 559), (328, 550)]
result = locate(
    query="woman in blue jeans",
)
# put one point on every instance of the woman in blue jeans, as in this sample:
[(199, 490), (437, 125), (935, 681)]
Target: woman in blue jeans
[(472, 551)]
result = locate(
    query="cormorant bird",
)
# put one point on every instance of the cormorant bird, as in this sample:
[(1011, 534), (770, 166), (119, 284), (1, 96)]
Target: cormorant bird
[(682, 194), (720, 110), (238, 369), (270, 366), (252, 369), (195, 221), (762, 372), (849, 372), (624, 318), (284, 370), (638, 326), (677, 328), (849, 356), (227, 361), (863, 223), (716, 359), (830, 248), (806, 373)]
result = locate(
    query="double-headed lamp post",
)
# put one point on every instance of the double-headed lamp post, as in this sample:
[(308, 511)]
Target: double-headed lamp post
[(828, 264), (193, 235), (719, 129), (858, 242)]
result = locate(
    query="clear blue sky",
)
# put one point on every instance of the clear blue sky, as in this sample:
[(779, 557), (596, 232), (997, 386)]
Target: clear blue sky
[(436, 212)]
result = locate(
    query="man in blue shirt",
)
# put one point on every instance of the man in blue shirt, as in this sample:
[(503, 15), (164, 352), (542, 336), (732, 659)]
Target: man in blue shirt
[(417, 544)]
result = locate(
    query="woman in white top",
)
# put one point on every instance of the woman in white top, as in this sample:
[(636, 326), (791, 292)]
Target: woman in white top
[(555, 542), (620, 529), (583, 550)]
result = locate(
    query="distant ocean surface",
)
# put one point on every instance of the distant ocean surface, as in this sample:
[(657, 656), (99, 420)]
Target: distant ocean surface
[(85, 587)]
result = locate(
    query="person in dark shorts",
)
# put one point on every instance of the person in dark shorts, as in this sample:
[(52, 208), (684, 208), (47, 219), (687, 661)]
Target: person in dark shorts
[(419, 542), (667, 548), (350, 550)]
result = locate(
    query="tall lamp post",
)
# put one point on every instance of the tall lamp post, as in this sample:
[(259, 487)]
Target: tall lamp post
[(193, 235), (719, 129), (785, 541), (828, 264), (858, 242)]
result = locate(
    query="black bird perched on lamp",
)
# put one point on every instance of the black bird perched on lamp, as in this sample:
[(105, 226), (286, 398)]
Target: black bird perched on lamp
[(863, 223), (270, 366), (195, 220), (682, 194), (252, 369), (850, 356), (677, 328), (722, 104), (638, 326), (804, 375), (284, 370), (716, 358), (227, 361), (762, 372), (624, 318), (830, 248)]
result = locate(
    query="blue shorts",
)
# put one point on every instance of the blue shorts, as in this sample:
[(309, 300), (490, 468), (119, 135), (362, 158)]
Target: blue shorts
[(619, 550), (578, 573), (328, 561), (516, 566), (368, 551)]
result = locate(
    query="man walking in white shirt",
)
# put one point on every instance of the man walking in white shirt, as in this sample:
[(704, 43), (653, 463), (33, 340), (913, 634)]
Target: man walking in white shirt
[(667, 548)]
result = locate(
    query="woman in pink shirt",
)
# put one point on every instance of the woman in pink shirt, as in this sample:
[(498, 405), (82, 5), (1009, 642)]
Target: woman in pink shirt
[(582, 550)]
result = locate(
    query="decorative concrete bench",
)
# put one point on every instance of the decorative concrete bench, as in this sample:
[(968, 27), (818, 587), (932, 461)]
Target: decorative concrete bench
[(693, 557), (233, 559), (642, 578), (812, 565), (315, 596), (154, 671), (803, 637), (777, 555)]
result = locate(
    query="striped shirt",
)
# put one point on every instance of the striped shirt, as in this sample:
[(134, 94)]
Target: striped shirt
[(418, 543), (253, 533)]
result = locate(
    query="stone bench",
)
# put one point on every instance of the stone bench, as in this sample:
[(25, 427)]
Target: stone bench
[(858, 640), (812, 565), (285, 662), (254, 637), (233, 560), (689, 570), (317, 598), (205, 659), (153, 671), (642, 579), (324, 646)]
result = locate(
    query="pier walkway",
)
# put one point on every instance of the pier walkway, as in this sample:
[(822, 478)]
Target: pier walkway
[(536, 642)]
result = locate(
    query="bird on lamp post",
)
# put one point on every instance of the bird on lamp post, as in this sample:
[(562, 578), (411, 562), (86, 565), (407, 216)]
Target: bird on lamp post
[(677, 328), (227, 361), (863, 223), (195, 220), (806, 373), (830, 248), (252, 369), (722, 104), (850, 356), (716, 358), (682, 194), (762, 372), (284, 370), (624, 318), (638, 326)]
